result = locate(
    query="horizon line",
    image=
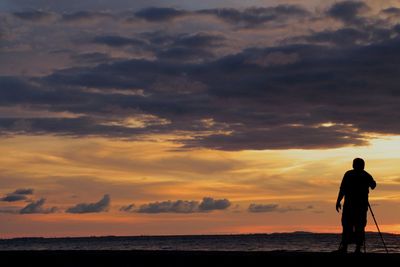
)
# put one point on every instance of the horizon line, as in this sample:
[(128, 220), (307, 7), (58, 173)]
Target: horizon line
[(184, 235)]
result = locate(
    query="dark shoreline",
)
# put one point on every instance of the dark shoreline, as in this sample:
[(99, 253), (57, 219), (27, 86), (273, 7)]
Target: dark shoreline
[(77, 258)]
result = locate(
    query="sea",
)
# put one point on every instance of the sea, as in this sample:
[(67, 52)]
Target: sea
[(291, 242)]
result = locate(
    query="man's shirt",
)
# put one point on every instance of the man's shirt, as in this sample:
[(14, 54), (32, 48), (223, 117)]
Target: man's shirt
[(355, 187)]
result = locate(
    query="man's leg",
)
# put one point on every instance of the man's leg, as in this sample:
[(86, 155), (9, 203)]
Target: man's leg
[(360, 230), (346, 237), (346, 233), (359, 235)]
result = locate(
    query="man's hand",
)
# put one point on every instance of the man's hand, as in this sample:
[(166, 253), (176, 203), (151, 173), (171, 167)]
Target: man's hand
[(373, 185), (338, 206)]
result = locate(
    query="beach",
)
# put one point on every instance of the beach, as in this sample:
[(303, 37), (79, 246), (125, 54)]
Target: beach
[(193, 258)]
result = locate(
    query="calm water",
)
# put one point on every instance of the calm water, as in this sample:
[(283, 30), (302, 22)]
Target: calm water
[(258, 242)]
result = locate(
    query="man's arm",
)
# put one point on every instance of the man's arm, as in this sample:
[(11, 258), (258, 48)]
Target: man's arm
[(372, 182), (341, 193), (339, 199)]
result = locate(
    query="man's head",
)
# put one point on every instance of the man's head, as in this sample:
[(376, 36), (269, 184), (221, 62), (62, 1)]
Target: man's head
[(358, 164)]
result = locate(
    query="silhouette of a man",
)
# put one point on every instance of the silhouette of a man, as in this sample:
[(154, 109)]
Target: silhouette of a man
[(355, 189)]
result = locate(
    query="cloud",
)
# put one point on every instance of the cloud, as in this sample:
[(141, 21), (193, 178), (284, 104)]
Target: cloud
[(73, 5), (394, 11), (100, 206), (185, 54), (91, 58), (179, 206), (242, 84), (184, 206), (24, 191), (118, 41), (128, 208), (34, 15), (159, 14), (37, 207), (18, 195), (345, 36), (255, 16), (85, 16), (349, 36), (258, 208), (199, 40), (348, 11), (312, 91), (250, 16), (190, 47), (209, 204), (274, 59), (296, 137), (13, 198), (179, 48), (82, 126), (263, 207)]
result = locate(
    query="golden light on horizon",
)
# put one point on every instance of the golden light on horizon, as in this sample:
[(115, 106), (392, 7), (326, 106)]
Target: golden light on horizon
[(67, 171)]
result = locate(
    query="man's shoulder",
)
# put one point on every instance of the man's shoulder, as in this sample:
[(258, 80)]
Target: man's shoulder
[(347, 176), (349, 172), (367, 174)]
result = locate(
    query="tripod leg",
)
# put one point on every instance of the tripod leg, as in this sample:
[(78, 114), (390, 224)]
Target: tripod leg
[(377, 227), (365, 250)]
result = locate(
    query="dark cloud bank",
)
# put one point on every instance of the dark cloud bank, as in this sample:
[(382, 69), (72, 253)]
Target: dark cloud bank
[(258, 208), (128, 208), (100, 206), (184, 206), (208, 204), (37, 207), (18, 195), (249, 17), (324, 90), (33, 207)]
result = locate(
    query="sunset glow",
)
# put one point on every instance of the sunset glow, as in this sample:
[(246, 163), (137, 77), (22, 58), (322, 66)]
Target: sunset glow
[(194, 117)]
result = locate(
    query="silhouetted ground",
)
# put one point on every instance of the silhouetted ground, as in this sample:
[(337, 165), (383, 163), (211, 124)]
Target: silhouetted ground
[(192, 258)]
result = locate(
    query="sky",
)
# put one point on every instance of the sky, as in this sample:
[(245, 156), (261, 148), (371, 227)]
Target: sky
[(194, 117)]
